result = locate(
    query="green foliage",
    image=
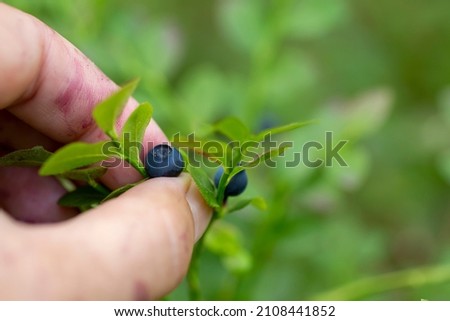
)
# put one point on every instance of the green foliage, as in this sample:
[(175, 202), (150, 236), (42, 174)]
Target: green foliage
[(232, 128), (225, 241), (71, 161), (117, 192), (257, 202), (133, 131), (85, 174), (281, 129), (310, 19), (82, 197), (35, 156), (68, 162), (361, 68), (237, 132), (234, 131), (267, 155), (107, 112), (204, 185), (73, 156)]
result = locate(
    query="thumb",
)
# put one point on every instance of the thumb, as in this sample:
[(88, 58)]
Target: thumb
[(137, 246)]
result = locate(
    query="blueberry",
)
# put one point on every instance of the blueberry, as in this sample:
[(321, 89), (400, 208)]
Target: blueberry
[(164, 161), (236, 185)]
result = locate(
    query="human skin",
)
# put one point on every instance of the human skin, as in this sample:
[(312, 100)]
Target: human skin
[(134, 247)]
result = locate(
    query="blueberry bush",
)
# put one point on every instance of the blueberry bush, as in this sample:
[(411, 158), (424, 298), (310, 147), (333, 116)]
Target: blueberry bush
[(373, 73), (80, 162)]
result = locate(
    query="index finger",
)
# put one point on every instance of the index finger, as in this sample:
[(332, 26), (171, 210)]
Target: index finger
[(50, 85)]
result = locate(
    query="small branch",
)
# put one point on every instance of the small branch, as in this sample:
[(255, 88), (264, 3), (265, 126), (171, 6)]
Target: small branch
[(222, 186), (124, 156), (137, 165), (386, 282), (192, 277), (98, 187), (67, 184)]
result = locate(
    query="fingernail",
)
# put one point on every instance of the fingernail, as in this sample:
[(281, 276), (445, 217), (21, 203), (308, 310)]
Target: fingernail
[(201, 212)]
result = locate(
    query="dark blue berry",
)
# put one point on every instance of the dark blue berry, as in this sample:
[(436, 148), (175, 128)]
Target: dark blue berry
[(236, 185), (164, 161)]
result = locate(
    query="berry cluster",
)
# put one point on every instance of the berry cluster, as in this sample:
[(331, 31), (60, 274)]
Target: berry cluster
[(166, 161)]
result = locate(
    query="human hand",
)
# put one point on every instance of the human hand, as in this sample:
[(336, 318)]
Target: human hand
[(136, 246)]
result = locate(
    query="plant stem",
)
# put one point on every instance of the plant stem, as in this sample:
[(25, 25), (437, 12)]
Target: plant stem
[(67, 184), (98, 187), (222, 186), (137, 165), (390, 281), (192, 277)]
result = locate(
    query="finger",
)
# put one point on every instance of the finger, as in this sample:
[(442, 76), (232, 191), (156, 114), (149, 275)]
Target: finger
[(23, 193), (15, 134), (137, 246), (30, 198), (53, 87)]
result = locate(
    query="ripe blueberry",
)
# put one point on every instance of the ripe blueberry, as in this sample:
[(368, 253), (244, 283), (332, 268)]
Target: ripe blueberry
[(164, 161), (236, 185)]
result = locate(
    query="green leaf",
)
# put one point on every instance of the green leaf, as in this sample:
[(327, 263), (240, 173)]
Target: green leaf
[(226, 241), (444, 105), (443, 165), (204, 185), (312, 19), (85, 174), (232, 128), (66, 183), (231, 15), (84, 196), (239, 263), (205, 81), (234, 171), (119, 191), (133, 131), (35, 156), (282, 129), (107, 112), (267, 155), (223, 239), (257, 202), (73, 156)]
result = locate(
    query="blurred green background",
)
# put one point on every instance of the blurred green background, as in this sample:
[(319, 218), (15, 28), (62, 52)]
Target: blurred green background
[(375, 73)]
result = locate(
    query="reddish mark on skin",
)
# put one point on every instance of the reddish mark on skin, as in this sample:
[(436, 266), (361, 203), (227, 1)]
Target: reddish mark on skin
[(140, 292), (100, 135), (78, 94), (86, 87), (185, 240), (65, 100), (87, 123)]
